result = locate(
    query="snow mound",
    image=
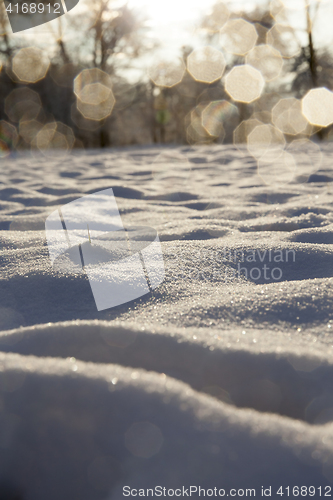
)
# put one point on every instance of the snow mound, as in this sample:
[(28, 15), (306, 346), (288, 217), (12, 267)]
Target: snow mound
[(220, 377)]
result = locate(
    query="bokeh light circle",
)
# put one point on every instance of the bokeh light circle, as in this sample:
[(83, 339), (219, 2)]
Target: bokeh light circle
[(265, 141), (244, 83), (238, 36), (317, 107), (55, 140), (215, 115), (267, 60), (206, 64), (167, 73), (282, 37), (22, 103), (30, 64), (93, 90), (287, 116)]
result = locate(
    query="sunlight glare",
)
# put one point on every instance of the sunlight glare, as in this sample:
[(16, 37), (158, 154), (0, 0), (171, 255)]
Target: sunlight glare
[(165, 12)]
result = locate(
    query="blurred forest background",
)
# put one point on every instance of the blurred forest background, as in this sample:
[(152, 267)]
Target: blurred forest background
[(246, 69)]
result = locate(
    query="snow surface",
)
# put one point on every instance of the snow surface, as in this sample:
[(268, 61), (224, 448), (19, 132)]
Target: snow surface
[(212, 379)]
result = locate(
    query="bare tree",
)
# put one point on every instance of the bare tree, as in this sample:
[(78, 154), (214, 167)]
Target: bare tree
[(313, 67), (6, 48), (112, 36)]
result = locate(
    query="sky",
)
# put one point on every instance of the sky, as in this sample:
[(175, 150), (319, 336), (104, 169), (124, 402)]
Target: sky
[(176, 19), (173, 22), (164, 12)]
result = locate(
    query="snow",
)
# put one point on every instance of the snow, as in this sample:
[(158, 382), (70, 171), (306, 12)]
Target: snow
[(217, 378)]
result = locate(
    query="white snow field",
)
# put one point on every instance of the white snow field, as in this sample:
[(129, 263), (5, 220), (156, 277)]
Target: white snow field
[(222, 377)]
